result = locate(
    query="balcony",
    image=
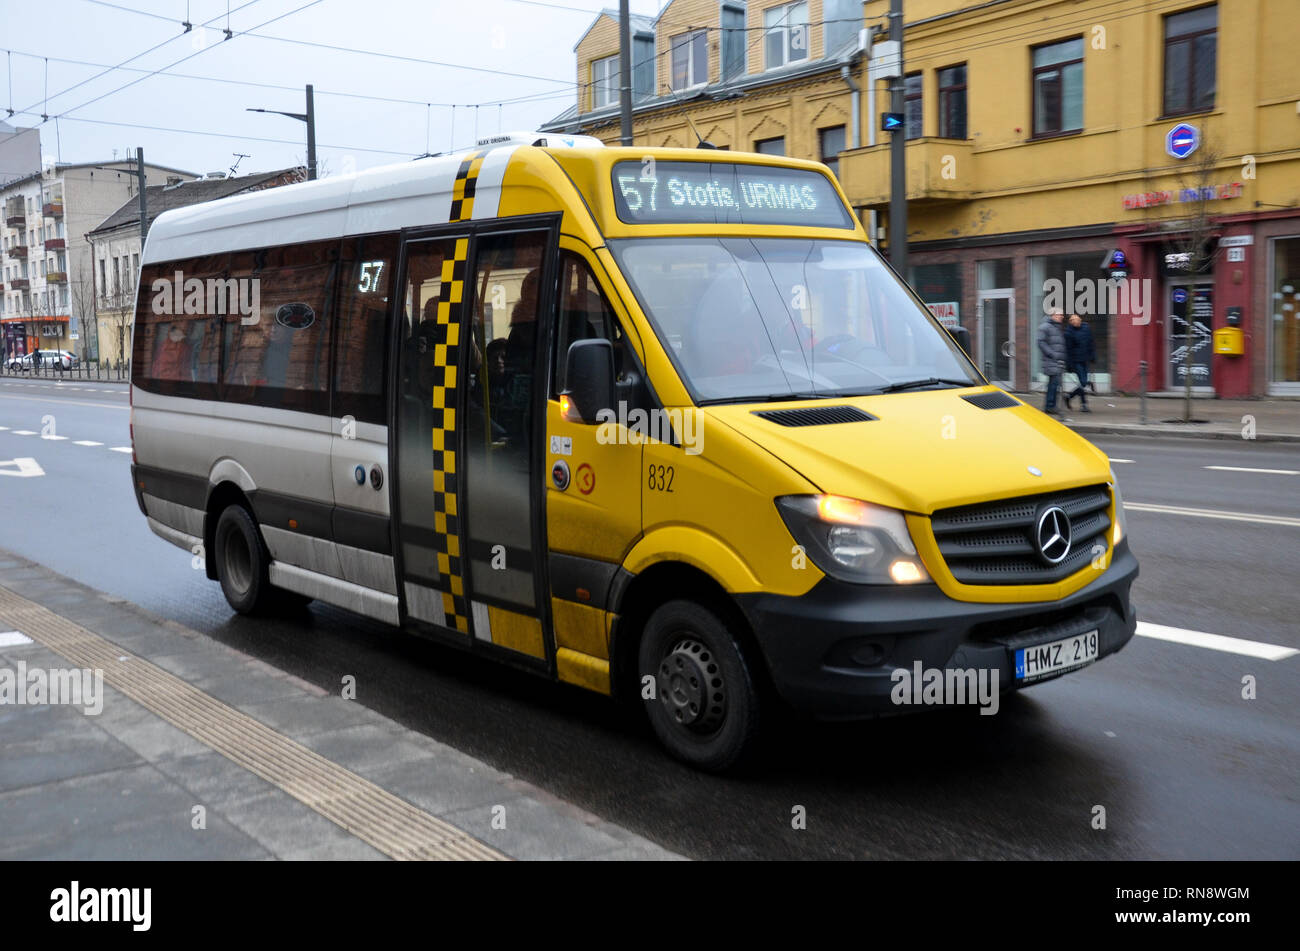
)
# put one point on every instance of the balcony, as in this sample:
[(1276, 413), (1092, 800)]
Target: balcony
[(15, 219), (56, 277), (19, 284), (938, 170), (18, 251), (53, 209), (55, 244)]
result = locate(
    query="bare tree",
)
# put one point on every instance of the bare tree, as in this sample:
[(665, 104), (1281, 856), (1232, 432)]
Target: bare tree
[(81, 295)]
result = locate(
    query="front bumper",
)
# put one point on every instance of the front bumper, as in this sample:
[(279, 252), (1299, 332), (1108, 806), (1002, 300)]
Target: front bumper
[(833, 651)]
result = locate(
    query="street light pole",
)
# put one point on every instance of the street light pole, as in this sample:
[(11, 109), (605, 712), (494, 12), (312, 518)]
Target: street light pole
[(898, 153), (308, 117)]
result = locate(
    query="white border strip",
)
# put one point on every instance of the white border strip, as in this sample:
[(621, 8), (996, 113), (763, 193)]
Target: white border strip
[(1216, 642)]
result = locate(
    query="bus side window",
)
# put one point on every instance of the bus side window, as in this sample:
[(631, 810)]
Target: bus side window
[(360, 369), (583, 313), (279, 356)]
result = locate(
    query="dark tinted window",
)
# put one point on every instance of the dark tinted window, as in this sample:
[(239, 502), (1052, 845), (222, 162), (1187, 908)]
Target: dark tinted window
[(366, 274), (179, 313), (278, 354)]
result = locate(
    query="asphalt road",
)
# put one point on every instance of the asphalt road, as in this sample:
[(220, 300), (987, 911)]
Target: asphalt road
[(1159, 734)]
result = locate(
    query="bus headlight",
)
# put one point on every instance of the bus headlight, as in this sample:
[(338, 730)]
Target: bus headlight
[(853, 540), (1121, 521)]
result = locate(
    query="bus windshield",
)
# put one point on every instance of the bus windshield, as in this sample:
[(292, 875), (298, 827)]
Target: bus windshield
[(757, 319)]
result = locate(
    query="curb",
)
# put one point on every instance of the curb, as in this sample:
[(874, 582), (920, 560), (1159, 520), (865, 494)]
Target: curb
[(1175, 432)]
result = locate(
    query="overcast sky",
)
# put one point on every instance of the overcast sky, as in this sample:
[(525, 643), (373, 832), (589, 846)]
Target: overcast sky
[(529, 43)]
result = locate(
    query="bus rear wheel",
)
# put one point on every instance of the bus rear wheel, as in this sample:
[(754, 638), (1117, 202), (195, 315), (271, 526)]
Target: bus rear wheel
[(242, 561), (705, 707)]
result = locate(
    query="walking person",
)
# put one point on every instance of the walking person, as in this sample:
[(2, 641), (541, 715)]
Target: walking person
[(36, 361), (1079, 352), (1051, 347)]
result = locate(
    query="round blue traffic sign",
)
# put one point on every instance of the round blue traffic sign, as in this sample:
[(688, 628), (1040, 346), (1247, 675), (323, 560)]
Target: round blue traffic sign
[(1180, 295), (1182, 140)]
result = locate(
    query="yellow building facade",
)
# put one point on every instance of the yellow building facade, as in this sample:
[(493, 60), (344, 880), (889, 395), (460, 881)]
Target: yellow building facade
[(1088, 156)]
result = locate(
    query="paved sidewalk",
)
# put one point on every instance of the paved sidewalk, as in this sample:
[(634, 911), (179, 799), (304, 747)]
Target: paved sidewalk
[(202, 752), (1261, 420)]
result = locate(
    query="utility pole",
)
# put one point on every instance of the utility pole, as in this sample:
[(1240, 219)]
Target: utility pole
[(144, 201), (311, 134), (625, 72), (897, 153), (308, 117)]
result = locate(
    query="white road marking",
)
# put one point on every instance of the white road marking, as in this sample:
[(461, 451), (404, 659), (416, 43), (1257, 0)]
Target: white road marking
[(56, 438), (1262, 471), (87, 442), (1127, 462), (24, 468), (13, 639), (1217, 642), (1212, 513), (120, 449), (24, 432)]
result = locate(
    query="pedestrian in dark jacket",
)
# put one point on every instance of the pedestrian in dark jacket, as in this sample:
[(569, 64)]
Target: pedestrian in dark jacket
[(1079, 352), (1051, 348), (36, 360)]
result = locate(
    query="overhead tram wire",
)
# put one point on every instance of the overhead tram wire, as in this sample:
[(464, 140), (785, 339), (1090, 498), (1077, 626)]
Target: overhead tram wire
[(296, 89), (200, 52), (233, 135), (28, 109)]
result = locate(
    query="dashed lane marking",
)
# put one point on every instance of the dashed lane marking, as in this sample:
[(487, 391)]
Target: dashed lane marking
[(1258, 471)]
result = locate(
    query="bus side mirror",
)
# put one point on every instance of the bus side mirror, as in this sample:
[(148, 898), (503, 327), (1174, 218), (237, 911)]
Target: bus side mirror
[(962, 336), (589, 380)]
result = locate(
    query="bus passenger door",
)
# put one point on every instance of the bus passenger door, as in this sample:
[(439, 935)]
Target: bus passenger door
[(468, 517)]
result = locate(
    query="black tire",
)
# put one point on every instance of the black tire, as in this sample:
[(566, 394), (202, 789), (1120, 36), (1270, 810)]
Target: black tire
[(714, 723), (242, 561)]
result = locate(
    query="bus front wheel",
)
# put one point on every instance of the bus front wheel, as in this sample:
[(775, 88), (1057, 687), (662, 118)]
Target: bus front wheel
[(704, 706)]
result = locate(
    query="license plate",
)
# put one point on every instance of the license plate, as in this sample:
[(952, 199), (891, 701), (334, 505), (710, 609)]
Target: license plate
[(1043, 660)]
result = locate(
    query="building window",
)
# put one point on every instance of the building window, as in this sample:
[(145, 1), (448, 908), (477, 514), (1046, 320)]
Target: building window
[(831, 141), (785, 35), (690, 53), (952, 102), (604, 82), (1191, 52), (1058, 87), (843, 19), (912, 110), (103, 281), (733, 41), (770, 146), (1059, 281)]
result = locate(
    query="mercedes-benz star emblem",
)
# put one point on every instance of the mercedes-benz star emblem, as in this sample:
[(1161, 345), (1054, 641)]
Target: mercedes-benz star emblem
[(1053, 535)]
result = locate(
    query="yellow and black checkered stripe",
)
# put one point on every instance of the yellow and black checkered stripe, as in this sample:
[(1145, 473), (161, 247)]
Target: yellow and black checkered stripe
[(462, 193), (446, 360), (446, 511)]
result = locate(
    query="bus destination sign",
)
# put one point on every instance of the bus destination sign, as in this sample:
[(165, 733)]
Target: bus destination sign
[(725, 193)]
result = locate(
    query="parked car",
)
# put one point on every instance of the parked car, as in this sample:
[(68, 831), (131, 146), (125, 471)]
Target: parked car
[(50, 359)]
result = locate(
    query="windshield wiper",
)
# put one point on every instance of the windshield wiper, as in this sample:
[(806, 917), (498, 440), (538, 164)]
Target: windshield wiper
[(769, 398), (917, 384)]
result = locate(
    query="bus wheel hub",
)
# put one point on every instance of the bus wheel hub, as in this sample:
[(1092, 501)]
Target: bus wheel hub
[(691, 686)]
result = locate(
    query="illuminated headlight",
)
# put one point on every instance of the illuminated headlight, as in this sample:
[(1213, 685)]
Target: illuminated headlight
[(1121, 521), (853, 540)]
